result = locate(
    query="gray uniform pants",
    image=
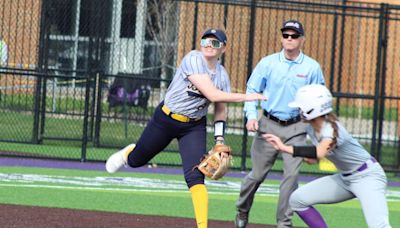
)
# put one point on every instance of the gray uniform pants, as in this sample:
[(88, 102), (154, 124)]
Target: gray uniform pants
[(263, 157), (369, 186)]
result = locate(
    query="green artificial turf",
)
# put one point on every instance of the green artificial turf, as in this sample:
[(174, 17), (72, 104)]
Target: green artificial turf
[(168, 196)]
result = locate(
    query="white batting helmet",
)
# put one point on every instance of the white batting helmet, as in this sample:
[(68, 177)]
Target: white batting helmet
[(313, 100)]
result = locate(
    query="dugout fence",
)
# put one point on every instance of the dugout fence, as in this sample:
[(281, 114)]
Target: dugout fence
[(66, 57)]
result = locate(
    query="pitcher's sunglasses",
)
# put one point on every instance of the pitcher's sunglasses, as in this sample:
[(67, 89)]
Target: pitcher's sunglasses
[(210, 42), (294, 36)]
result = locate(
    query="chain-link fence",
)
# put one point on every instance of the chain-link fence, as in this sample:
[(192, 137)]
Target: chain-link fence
[(80, 78)]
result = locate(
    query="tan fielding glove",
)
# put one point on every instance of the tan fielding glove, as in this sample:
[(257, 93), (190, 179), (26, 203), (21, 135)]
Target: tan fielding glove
[(216, 164)]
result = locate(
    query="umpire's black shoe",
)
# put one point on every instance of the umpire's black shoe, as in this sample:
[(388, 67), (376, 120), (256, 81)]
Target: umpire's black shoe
[(241, 219)]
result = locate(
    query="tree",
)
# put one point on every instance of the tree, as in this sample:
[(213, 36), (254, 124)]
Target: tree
[(162, 26)]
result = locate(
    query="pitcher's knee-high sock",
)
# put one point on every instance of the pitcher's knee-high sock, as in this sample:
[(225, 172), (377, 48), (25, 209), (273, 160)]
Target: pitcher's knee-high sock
[(200, 204), (312, 218)]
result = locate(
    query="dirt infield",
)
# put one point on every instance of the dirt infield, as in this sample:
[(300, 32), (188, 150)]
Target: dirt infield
[(28, 216)]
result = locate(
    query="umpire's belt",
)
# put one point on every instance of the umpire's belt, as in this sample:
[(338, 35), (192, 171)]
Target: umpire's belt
[(178, 117), (362, 167), (282, 122)]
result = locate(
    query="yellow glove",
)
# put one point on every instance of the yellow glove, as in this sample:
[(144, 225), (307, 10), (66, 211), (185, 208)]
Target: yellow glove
[(326, 165)]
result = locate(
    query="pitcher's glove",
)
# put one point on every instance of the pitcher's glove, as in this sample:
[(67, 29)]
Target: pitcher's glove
[(217, 162)]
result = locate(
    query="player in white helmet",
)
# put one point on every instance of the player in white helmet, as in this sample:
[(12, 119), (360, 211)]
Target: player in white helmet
[(360, 175)]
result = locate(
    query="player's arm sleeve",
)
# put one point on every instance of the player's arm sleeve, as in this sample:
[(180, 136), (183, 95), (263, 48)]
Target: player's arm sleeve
[(343, 135), (193, 64), (327, 137), (327, 131), (255, 84), (322, 143)]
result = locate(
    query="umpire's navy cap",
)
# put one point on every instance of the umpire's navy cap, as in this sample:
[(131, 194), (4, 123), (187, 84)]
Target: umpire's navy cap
[(294, 25), (218, 33)]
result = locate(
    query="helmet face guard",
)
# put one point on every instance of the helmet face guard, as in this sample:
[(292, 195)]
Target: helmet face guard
[(313, 101)]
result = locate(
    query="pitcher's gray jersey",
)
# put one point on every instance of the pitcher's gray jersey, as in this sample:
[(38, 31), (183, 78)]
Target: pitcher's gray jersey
[(348, 154), (183, 97)]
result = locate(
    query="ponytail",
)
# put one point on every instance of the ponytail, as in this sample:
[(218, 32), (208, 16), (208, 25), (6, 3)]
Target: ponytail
[(332, 119)]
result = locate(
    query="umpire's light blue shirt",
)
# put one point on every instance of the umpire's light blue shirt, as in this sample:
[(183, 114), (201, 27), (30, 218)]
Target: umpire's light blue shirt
[(278, 79)]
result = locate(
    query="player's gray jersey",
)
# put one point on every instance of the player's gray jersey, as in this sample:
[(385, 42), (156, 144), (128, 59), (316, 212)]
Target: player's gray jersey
[(348, 155), (183, 97)]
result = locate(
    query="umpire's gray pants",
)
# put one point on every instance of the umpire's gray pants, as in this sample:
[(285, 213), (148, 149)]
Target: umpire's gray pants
[(263, 157)]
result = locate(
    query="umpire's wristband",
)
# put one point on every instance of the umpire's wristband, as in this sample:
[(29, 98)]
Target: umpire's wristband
[(305, 151)]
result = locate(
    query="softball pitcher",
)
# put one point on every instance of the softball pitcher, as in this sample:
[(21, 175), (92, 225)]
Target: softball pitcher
[(360, 175), (198, 81)]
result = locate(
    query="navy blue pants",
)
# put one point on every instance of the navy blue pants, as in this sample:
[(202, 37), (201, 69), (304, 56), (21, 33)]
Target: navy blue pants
[(160, 131)]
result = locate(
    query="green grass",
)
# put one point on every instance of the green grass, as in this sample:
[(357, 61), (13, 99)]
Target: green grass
[(366, 112), (76, 104), (114, 197), (18, 126)]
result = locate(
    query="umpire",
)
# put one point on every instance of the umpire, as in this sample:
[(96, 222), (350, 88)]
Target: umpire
[(277, 76)]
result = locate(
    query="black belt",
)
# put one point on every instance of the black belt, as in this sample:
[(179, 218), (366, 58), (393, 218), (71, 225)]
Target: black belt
[(282, 122)]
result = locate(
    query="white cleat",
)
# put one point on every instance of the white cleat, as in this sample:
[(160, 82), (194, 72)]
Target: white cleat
[(119, 159)]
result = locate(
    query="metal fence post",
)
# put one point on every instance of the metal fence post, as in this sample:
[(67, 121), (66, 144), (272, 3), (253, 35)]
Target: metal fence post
[(99, 109), (196, 13), (341, 52), (332, 73), (38, 115), (86, 117), (381, 78), (249, 69)]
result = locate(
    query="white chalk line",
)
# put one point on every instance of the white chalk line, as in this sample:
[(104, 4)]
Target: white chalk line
[(135, 184)]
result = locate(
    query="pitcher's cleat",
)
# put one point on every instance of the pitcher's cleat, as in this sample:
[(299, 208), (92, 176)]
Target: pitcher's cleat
[(119, 159)]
